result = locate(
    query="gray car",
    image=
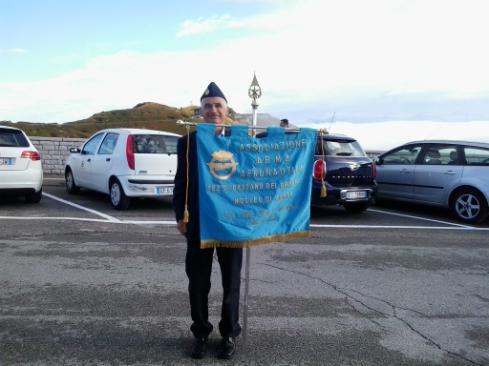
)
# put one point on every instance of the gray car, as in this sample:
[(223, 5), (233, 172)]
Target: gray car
[(453, 174)]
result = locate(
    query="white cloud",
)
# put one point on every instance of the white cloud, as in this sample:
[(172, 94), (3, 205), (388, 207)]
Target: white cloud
[(380, 45), (12, 50), (310, 52), (382, 136), (262, 22), (209, 25)]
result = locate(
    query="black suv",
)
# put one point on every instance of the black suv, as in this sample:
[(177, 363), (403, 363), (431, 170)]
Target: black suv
[(348, 174)]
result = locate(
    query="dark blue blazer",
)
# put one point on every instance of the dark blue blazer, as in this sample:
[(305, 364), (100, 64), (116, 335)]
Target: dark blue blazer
[(193, 228)]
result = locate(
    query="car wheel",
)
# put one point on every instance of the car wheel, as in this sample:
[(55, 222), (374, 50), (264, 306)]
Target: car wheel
[(356, 208), (71, 186), (34, 197), (118, 198), (469, 205)]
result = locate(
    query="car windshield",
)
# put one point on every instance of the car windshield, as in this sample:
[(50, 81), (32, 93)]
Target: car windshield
[(340, 148), (155, 144), (12, 138)]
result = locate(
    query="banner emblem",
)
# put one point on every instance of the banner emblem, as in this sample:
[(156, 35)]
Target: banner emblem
[(222, 165)]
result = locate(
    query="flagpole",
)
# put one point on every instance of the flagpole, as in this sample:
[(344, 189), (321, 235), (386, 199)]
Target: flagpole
[(254, 92), (187, 123)]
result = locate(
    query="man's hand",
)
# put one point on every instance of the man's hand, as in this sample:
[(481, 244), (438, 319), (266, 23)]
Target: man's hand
[(182, 227)]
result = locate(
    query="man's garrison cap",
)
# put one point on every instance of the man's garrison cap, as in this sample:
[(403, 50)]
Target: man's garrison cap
[(213, 91)]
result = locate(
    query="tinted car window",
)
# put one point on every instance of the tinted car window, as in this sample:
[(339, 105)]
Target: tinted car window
[(340, 148), (108, 145), (12, 138), (91, 146), (155, 144), (404, 156), (440, 155), (171, 144), (476, 156)]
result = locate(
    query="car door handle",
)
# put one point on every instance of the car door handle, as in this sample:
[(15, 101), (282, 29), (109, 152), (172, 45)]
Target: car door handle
[(405, 171), (89, 160), (107, 159), (450, 172)]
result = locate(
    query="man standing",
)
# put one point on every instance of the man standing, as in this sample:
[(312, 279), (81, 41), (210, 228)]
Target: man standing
[(198, 262)]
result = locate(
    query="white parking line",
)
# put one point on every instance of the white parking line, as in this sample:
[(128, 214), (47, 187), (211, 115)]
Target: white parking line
[(461, 227), (172, 223), (149, 222), (135, 222), (132, 222), (54, 218), (417, 217), (95, 212)]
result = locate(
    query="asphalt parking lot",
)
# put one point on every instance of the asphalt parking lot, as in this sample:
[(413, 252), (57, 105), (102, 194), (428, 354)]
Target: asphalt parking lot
[(82, 284)]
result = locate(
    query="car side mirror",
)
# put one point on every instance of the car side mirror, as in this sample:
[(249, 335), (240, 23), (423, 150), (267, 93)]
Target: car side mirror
[(74, 150), (380, 161)]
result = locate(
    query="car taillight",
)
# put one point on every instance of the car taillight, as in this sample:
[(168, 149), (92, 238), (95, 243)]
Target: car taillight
[(374, 169), (319, 170), (33, 155), (130, 152)]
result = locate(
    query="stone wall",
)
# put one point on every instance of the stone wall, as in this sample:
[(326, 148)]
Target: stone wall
[(54, 152)]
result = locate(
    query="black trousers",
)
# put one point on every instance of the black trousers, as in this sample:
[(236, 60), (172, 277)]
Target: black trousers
[(198, 266)]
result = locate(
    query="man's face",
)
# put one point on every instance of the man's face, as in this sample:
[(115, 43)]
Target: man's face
[(214, 109)]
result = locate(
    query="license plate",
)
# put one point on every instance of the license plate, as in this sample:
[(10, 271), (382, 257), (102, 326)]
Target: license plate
[(7, 161), (356, 195), (164, 190)]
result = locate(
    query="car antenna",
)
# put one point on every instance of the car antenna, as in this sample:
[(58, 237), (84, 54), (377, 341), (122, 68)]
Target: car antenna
[(331, 122)]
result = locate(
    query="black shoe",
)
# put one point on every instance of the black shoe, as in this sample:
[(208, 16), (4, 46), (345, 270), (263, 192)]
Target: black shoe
[(199, 348), (228, 348)]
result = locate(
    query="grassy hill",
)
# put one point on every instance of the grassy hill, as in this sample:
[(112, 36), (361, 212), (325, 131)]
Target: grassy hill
[(144, 115)]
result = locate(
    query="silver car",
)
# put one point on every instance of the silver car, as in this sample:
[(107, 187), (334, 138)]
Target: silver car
[(453, 174)]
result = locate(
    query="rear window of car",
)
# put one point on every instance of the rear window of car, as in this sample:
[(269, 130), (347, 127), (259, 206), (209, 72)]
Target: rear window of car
[(12, 138), (155, 144), (340, 148)]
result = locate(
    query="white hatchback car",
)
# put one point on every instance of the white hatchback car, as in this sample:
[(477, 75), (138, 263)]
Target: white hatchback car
[(124, 163), (20, 165)]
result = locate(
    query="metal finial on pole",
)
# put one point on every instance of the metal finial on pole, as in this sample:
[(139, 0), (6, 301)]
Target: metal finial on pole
[(254, 92)]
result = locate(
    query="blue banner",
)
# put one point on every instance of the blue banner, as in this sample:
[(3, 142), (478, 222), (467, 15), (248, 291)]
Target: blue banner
[(254, 190)]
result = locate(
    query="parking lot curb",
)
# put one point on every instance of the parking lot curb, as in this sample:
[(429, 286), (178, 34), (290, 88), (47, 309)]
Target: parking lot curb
[(53, 180)]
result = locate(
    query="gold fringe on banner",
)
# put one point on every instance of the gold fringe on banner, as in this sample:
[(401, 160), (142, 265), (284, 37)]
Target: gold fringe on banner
[(324, 191), (206, 244)]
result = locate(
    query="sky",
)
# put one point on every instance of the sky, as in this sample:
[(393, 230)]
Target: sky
[(363, 61)]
